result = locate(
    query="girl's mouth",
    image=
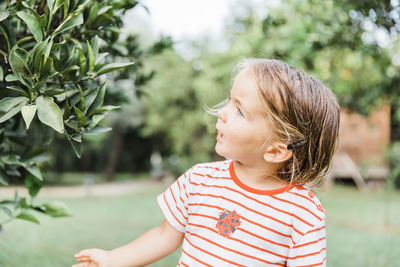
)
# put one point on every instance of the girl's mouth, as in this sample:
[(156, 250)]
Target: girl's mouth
[(219, 137)]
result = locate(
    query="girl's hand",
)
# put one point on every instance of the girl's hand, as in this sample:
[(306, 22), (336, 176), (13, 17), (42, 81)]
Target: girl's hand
[(92, 258)]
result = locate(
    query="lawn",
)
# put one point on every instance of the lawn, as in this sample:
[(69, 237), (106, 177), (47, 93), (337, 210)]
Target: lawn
[(363, 230)]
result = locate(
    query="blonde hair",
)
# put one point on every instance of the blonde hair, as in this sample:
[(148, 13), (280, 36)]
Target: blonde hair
[(304, 114)]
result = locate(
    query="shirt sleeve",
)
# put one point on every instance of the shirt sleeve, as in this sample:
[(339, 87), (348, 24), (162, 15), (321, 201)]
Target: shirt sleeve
[(174, 202), (310, 250)]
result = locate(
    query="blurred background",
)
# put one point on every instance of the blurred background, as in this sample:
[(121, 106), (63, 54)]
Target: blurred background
[(162, 128)]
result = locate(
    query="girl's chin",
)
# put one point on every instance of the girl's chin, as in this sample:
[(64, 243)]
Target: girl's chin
[(220, 152)]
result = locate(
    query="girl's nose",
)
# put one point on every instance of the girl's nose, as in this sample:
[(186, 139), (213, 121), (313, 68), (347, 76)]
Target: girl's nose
[(222, 114)]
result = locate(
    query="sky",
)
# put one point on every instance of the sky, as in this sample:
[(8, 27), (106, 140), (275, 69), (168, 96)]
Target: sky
[(185, 20), (188, 18)]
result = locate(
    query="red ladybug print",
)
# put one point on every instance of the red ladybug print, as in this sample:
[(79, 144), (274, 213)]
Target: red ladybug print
[(228, 222)]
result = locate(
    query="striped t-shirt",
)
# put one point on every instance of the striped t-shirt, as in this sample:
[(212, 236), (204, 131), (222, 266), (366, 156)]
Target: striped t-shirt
[(227, 223)]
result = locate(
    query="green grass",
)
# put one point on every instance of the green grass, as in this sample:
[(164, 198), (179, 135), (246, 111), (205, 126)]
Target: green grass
[(362, 230), (78, 178)]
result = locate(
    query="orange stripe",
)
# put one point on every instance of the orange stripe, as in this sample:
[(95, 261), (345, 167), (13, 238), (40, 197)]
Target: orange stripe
[(234, 251), (300, 195), (307, 255), (265, 239), (177, 182), (184, 187), (165, 200), (209, 176), (212, 254), (176, 204), (316, 264), (266, 228), (184, 264), (309, 243), (241, 241), (180, 193), (262, 214), (241, 229), (196, 259), (260, 202), (250, 221), (315, 230), (214, 168), (203, 215), (205, 205), (297, 205)]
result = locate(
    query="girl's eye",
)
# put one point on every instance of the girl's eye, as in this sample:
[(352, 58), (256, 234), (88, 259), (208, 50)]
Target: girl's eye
[(239, 112)]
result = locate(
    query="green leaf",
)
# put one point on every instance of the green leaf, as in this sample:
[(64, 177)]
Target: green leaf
[(35, 171), (95, 46), (91, 57), (47, 68), (5, 34), (3, 178), (77, 138), (80, 116), (54, 5), (12, 159), (103, 109), (1, 74), (57, 209), (54, 92), (17, 64), (49, 113), (67, 110), (82, 62), (9, 106), (33, 184), (103, 10), (38, 158), (28, 112), (11, 77), (68, 94), (92, 13), (27, 217), (113, 66), (4, 14), (12, 112), (89, 99), (33, 25), (7, 103), (95, 120), (98, 101), (82, 97), (51, 5), (100, 57), (25, 39), (18, 90), (97, 130), (69, 23)]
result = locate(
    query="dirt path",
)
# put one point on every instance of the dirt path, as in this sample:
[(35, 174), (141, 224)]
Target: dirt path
[(106, 189)]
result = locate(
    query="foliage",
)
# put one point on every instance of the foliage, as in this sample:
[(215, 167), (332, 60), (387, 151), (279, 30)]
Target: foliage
[(394, 158), (325, 38), (54, 55), (175, 100)]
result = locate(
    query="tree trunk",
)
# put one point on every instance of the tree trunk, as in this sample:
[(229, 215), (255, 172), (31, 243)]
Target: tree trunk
[(116, 141)]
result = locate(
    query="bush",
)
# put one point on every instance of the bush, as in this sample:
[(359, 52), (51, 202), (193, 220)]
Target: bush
[(54, 55)]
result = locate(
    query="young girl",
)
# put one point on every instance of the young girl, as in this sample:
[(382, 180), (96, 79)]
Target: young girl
[(278, 132)]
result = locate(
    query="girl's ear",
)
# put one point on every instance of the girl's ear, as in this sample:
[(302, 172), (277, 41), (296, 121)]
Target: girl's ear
[(277, 153)]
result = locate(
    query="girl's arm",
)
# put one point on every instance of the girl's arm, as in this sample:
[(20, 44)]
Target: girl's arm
[(151, 246)]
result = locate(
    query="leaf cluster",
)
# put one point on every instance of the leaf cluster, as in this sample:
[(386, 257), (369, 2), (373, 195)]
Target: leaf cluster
[(54, 55)]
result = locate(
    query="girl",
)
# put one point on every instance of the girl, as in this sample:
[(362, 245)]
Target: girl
[(278, 132)]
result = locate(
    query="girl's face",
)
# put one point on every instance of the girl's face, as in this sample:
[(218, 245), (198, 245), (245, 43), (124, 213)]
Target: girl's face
[(242, 124)]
